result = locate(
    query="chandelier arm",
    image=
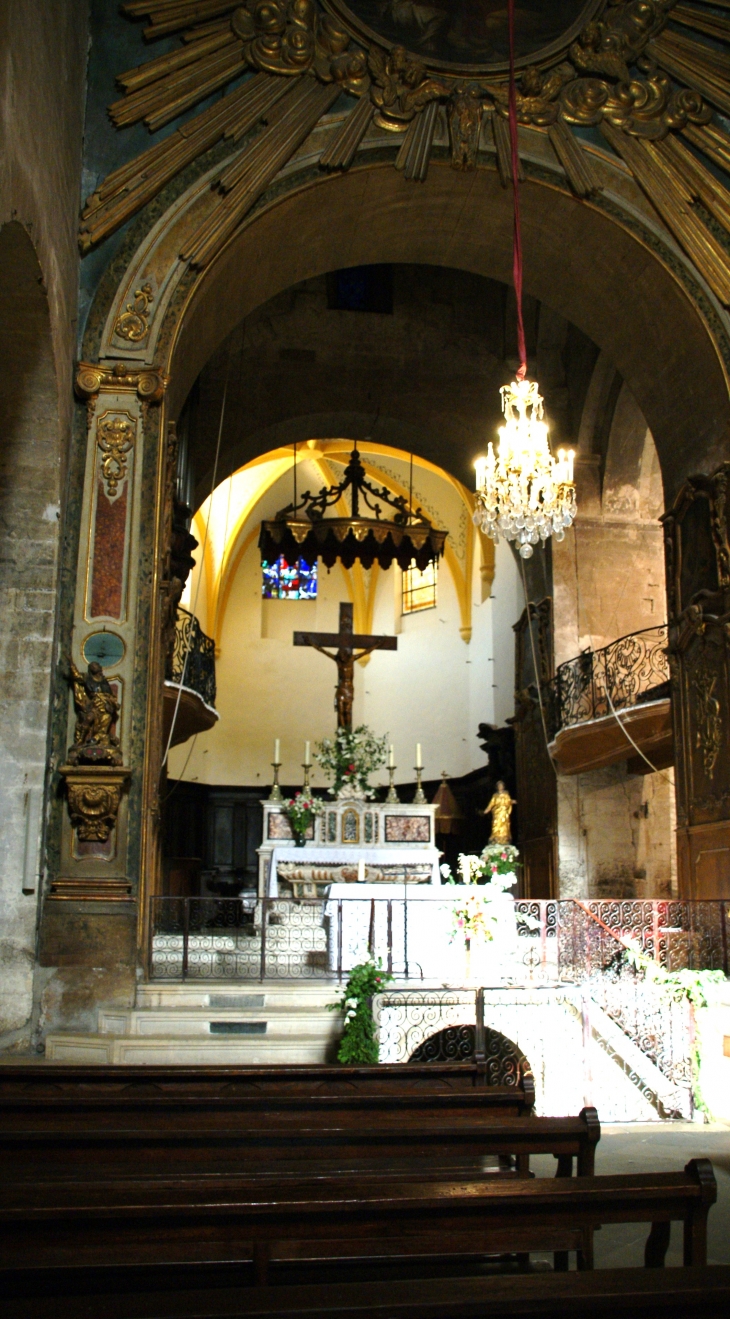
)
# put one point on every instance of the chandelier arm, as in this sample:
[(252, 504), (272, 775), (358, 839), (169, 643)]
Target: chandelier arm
[(517, 227)]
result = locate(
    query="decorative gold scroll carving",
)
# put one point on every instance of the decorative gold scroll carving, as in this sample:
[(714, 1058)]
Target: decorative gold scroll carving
[(626, 71), (147, 382), (134, 323), (611, 44), (115, 438), (94, 794)]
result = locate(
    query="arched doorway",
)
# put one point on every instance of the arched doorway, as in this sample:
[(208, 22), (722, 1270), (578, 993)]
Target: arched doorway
[(606, 268)]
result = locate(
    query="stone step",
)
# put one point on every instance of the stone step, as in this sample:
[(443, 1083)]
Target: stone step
[(186, 1051), (221, 995), (276, 1020)]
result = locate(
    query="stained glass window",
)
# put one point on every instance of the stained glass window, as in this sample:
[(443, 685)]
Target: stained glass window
[(283, 580), (419, 589)]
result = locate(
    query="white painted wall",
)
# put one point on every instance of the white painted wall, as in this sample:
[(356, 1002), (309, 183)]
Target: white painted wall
[(435, 689)]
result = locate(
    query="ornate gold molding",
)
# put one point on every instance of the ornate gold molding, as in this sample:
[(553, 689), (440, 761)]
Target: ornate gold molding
[(147, 382), (115, 438), (94, 794), (134, 323), (626, 72)]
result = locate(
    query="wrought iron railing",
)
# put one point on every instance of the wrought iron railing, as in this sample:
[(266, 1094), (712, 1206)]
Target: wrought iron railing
[(562, 941), (192, 662), (630, 671)]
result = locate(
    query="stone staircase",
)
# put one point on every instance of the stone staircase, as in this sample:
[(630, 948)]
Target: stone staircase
[(219, 1023)]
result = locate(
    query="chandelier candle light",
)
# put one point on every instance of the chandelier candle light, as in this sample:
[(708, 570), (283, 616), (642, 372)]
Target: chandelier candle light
[(522, 491)]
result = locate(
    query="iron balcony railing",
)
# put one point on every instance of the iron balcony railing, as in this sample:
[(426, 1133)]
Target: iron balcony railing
[(192, 662), (563, 940), (631, 671)]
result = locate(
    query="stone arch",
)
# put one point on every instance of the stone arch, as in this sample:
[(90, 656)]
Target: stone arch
[(615, 284), (606, 265), (30, 478)]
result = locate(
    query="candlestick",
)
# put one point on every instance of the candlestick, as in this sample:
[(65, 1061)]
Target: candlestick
[(420, 797), (419, 757), (277, 751), (305, 785), (307, 757), (391, 757), (392, 798), (275, 794)]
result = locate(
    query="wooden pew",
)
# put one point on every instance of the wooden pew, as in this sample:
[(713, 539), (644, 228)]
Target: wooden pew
[(455, 1140), (203, 1098), (684, 1293), (162, 1221)]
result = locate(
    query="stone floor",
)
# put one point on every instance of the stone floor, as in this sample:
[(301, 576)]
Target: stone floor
[(659, 1147)]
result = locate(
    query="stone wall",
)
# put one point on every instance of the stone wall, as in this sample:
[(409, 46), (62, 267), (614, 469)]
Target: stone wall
[(43, 55), (616, 830)]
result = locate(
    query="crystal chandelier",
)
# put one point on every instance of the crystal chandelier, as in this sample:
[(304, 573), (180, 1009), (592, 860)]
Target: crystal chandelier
[(522, 491)]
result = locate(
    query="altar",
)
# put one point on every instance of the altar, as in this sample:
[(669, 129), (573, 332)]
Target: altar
[(411, 930), (378, 842)]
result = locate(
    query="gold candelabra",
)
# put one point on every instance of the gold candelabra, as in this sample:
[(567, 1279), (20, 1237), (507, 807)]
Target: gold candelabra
[(275, 794), (392, 798), (420, 797)]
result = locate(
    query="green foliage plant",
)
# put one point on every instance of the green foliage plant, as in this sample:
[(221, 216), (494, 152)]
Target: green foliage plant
[(349, 758), (359, 1043)]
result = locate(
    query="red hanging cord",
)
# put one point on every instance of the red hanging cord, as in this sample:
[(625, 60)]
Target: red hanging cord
[(517, 231)]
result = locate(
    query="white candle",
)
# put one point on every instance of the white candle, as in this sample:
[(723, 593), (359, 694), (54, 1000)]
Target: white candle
[(277, 748), (361, 871), (307, 758), (391, 758), (419, 761)]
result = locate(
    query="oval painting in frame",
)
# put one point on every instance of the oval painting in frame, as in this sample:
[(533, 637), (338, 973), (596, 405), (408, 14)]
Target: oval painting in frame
[(468, 35)]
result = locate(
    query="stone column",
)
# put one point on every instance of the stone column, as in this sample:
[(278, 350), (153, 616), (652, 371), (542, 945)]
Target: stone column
[(89, 925), (698, 595)]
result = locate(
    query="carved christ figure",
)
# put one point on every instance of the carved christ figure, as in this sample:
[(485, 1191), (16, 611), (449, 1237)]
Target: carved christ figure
[(349, 649), (500, 809)]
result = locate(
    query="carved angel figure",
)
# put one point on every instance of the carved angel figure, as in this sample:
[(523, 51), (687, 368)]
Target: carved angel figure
[(97, 710), (402, 86)]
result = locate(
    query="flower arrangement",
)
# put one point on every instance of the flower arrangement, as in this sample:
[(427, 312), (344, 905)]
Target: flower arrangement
[(474, 918), (301, 809), (350, 758), (358, 1043)]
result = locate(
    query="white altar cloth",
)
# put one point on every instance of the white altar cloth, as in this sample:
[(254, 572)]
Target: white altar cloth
[(421, 933), (394, 855)]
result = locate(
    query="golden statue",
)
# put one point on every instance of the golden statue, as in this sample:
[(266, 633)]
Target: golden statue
[(97, 710), (500, 808)]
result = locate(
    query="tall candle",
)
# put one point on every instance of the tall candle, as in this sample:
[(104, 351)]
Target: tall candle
[(307, 757), (361, 871), (419, 761), (391, 758), (277, 749)]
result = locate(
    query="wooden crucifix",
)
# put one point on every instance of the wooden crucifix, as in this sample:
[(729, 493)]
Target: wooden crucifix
[(347, 644)]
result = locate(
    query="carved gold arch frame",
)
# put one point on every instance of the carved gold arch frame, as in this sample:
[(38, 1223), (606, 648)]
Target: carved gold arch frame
[(607, 263)]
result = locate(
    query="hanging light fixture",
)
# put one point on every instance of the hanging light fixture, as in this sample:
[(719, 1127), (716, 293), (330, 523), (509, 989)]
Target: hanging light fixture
[(301, 530), (522, 491)]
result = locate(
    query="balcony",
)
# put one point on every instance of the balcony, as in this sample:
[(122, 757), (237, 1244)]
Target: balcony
[(629, 678), (191, 673)]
